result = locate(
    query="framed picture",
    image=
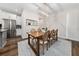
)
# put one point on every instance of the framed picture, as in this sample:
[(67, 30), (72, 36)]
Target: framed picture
[(31, 22)]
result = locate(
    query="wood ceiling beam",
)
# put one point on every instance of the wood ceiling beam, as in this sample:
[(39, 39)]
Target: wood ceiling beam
[(52, 9), (39, 8), (12, 12), (60, 7)]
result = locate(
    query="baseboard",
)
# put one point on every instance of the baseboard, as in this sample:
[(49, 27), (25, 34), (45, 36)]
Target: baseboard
[(68, 39), (65, 38), (18, 36), (14, 37), (61, 38), (24, 38)]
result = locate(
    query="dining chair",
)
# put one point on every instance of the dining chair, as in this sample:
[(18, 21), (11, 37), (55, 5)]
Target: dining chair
[(52, 36), (39, 30), (49, 36), (44, 41), (32, 30), (56, 34)]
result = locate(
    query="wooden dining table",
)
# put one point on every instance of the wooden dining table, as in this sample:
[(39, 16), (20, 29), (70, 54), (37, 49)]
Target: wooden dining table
[(37, 36)]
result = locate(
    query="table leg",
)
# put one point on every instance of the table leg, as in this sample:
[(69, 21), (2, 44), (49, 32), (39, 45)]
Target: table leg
[(38, 47), (28, 39)]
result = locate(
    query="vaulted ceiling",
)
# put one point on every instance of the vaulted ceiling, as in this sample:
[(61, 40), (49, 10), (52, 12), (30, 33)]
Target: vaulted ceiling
[(45, 8)]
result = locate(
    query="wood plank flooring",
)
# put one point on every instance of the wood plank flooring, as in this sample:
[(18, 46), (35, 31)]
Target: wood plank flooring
[(75, 48), (11, 48), (59, 48)]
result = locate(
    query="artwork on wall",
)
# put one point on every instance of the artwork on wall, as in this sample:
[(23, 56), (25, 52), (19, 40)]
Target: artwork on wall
[(31, 22)]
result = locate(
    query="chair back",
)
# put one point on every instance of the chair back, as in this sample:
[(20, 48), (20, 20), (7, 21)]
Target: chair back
[(49, 33), (56, 32), (52, 33), (39, 30), (33, 30), (45, 36)]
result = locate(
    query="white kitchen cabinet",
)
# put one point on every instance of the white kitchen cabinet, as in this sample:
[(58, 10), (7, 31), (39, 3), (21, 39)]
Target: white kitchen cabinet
[(3, 37)]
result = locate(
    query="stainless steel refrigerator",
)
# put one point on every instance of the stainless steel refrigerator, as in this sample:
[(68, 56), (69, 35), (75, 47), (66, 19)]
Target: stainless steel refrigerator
[(10, 25)]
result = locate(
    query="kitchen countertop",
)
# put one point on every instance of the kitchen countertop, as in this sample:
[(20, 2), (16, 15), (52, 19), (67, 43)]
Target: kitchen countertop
[(2, 30)]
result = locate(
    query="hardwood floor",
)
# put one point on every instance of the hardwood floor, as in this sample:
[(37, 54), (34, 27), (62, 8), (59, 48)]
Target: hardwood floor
[(75, 48), (11, 48)]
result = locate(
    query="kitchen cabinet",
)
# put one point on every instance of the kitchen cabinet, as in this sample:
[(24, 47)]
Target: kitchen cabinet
[(3, 37)]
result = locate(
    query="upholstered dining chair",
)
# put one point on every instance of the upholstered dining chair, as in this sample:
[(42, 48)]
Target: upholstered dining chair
[(44, 41), (32, 30), (52, 36), (56, 33), (49, 36), (39, 30)]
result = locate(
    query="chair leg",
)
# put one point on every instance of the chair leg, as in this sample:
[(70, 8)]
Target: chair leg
[(47, 46), (32, 42), (43, 49), (56, 38), (49, 42)]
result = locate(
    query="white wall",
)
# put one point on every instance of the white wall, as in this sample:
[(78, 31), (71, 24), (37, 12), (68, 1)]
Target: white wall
[(65, 21), (73, 25), (28, 15), (61, 24), (18, 22), (68, 24), (57, 21)]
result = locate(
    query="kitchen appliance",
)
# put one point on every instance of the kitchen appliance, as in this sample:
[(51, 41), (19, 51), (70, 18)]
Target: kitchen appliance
[(10, 25)]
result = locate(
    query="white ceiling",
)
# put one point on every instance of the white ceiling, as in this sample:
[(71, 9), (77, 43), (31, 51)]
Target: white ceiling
[(69, 6), (47, 8)]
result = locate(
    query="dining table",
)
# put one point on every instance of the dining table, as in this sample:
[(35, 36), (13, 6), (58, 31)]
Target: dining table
[(36, 35)]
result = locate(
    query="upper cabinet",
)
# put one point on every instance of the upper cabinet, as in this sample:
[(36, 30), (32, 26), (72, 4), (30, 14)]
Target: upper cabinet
[(12, 16), (7, 15)]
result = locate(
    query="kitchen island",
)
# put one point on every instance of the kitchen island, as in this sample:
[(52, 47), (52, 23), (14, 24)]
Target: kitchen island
[(3, 37)]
